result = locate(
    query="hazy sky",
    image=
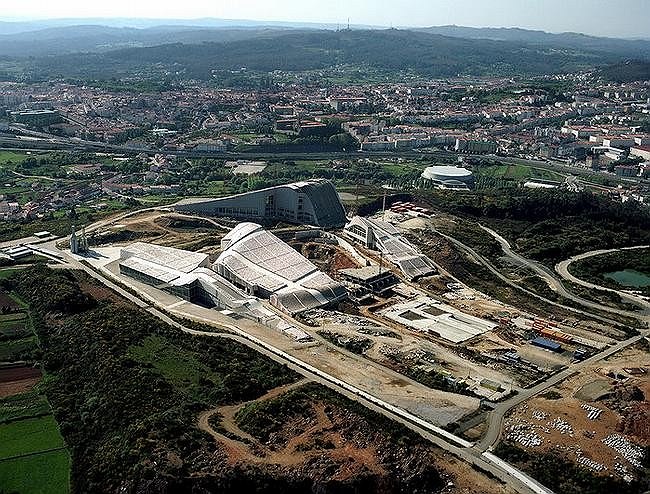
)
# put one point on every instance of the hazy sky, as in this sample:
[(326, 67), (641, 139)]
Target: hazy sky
[(623, 18)]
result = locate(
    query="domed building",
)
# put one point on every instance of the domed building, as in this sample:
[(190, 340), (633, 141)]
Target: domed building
[(449, 177)]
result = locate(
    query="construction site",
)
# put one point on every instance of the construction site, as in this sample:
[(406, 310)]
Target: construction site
[(599, 417), (364, 304)]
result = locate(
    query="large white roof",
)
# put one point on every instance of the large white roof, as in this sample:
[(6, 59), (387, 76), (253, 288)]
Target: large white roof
[(174, 259), (446, 172), (259, 258)]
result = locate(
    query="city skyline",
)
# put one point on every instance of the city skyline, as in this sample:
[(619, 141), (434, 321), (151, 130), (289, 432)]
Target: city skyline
[(593, 17)]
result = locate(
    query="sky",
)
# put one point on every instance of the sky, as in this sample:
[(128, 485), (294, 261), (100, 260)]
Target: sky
[(616, 18)]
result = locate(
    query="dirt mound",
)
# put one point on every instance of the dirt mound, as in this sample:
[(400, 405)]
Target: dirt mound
[(636, 422)]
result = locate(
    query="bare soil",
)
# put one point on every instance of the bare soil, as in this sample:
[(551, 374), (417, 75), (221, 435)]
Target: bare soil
[(16, 380)]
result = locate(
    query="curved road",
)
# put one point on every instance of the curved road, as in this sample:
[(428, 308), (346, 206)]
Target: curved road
[(555, 283), (482, 260), (497, 415), (562, 269)]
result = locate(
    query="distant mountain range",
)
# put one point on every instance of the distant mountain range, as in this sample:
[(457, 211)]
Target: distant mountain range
[(576, 41), (95, 50)]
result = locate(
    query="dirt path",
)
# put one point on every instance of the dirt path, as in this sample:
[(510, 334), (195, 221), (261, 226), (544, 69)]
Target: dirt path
[(240, 446), (238, 450)]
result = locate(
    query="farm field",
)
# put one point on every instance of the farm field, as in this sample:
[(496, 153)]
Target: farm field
[(33, 455), (23, 405), (41, 473)]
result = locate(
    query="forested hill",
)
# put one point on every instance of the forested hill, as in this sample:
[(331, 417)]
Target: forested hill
[(630, 48), (391, 50)]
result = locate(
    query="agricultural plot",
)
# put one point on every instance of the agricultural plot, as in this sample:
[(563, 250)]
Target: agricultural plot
[(23, 405), (33, 455), (41, 473)]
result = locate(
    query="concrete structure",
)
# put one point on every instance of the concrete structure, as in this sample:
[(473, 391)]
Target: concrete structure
[(384, 237), (187, 275), (373, 278), (427, 315), (451, 177), (261, 264), (78, 244), (313, 202)]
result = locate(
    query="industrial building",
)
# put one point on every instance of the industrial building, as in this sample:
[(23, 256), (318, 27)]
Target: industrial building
[(258, 262), (449, 177), (384, 237), (312, 202), (254, 264), (546, 344)]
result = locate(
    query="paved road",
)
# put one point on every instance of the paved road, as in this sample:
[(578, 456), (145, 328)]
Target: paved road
[(555, 283), (482, 260), (562, 269), (497, 415)]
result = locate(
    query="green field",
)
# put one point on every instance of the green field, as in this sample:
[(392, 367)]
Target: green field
[(518, 172), (41, 473), (15, 349), (28, 404), (28, 436), (7, 273), (179, 366), (33, 456), (11, 156)]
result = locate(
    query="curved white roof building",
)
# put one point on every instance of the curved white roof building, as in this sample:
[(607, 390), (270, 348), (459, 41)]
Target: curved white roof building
[(382, 236), (449, 176), (265, 266), (312, 202)]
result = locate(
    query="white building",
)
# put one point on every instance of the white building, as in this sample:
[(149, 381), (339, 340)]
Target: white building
[(382, 236), (263, 265)]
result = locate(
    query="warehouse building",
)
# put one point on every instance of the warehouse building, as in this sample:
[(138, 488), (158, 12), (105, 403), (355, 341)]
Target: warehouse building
[(546, 344), (312, 202), (384, 237), (258, 262), (187, 275)]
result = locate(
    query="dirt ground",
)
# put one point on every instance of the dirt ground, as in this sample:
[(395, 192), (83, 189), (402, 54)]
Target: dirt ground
[(617, 407), (242, 447), (173, 230), (310, 440), (16, 380)]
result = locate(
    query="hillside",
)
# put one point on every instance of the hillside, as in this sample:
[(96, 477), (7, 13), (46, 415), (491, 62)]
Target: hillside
[(572, 41), (99, 38), (429, 55), (627, 71)]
